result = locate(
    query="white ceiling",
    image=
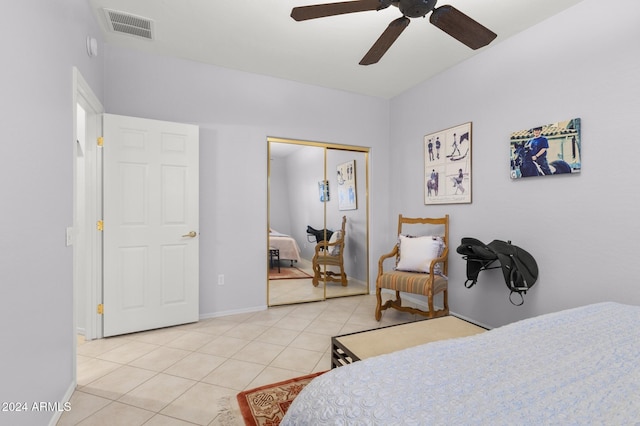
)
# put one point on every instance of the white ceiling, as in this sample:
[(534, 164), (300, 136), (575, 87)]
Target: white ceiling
[(259, 36)]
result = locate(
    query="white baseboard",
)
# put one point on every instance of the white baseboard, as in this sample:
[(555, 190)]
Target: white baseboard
[(66, 398), (408, 297), (233, 312), (471, 320), (423, 305)]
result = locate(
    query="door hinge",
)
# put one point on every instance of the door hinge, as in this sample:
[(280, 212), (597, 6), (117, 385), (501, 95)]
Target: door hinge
[(100, 225), (100, 141), (101, 309)]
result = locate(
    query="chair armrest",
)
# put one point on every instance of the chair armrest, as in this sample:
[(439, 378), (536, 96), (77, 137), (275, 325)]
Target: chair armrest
[(442, 259), (325, 245), (392, 253), (321, 245)]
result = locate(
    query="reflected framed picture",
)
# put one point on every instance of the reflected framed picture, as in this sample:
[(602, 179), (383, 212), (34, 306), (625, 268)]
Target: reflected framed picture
[(447, 166), (549, 149), (346, 178), (323, 189)]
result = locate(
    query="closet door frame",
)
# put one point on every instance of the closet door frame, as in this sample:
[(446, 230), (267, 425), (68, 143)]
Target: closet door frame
[(327, 175)]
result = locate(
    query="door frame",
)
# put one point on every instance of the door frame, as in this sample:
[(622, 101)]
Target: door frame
[(87, 210)]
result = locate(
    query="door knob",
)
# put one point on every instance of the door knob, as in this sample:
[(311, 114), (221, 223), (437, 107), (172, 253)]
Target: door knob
[(191, 234)]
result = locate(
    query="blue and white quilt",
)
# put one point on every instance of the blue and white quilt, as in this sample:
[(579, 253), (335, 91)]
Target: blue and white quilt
[(579, 366)]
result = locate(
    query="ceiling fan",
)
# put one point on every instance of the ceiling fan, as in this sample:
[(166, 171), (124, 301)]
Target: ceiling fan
[(447, 18)]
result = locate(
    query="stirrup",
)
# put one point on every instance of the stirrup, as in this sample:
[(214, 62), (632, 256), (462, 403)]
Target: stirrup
[(521, 298), (473, 282)]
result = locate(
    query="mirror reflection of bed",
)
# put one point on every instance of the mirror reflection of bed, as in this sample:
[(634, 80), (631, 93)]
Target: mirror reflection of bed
[(295, 170)]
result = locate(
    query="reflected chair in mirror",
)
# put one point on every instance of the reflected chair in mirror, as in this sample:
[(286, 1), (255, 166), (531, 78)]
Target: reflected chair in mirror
[(420, 266), (329, 254)]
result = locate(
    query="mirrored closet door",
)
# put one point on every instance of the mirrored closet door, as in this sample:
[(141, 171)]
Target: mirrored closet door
[(312, 189)]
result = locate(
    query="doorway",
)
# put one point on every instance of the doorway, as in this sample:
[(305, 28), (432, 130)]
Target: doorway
[(315, 185), (136, 220), (87, 209)]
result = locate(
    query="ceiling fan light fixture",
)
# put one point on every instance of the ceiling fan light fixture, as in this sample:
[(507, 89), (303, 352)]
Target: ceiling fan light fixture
[(416, 8)]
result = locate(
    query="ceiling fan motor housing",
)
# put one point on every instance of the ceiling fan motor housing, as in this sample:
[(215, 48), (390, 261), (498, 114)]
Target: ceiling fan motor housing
[(416, 8)]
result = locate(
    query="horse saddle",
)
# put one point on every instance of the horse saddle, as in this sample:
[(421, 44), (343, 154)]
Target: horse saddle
[(519, 268), (319, 234)]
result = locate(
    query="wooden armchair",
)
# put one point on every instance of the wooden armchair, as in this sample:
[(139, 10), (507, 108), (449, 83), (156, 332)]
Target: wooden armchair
[(421, 267), (330, 254)]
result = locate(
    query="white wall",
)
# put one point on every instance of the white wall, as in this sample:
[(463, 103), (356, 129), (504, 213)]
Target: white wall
[(279, 216), (305, 168), (40, 42), (356, 228), (236, 113), (582, 229)]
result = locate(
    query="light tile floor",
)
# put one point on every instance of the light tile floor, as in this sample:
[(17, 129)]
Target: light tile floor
[(191, 374), (283, 292)]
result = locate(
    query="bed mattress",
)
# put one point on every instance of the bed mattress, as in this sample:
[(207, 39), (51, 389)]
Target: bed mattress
[(579, 366), (288, 247)]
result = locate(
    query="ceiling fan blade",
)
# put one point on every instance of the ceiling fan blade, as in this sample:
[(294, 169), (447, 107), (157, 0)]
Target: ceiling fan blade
[(385, 41), (461, 27), (303, 13)]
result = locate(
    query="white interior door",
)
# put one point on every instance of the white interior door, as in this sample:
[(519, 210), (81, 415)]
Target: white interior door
[(150, 224)]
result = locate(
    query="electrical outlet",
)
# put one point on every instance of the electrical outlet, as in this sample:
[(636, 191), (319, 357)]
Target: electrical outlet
[(221, 279)]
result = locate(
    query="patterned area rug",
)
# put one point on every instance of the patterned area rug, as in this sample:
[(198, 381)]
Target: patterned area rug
[(268, 404), (287, 273)]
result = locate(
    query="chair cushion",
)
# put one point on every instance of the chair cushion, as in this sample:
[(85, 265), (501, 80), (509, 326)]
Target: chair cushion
[(411, 282), (416, 253), (326, 259)]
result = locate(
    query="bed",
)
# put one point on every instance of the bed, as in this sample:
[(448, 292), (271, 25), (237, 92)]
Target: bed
[(289, 249), (579, 366)]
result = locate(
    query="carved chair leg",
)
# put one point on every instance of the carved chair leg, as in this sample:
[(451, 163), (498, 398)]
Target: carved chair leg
[(445, 301), (343, 278), (431, 310), (379, 303)]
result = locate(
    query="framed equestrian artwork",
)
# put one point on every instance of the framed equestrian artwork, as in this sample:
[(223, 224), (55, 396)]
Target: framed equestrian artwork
[(347, 195), (447, 166), (550, 149), (323, 189)]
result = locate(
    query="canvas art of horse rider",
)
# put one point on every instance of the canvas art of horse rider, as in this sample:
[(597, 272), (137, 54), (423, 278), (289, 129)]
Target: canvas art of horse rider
[(538, 146), (530, 158)]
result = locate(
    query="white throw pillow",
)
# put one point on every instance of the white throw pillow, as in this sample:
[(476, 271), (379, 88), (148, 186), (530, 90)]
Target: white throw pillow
[(335, 250), (416, 253)]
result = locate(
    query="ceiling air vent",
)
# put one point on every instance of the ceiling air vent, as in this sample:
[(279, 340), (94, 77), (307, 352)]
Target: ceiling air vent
[(126, 23)]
